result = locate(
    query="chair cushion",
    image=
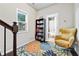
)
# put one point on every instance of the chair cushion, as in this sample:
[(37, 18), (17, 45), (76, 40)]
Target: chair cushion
[(66, 36), (62, 43)]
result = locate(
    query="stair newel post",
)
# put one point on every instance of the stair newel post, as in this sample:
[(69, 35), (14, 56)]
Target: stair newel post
[(15, 30)]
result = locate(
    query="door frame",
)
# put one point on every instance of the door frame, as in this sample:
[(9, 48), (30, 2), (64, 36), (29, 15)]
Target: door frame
[(56, 18)]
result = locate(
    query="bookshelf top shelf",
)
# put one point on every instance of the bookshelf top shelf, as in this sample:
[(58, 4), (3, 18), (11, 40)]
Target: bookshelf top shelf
[(39, 19), (40, 23)]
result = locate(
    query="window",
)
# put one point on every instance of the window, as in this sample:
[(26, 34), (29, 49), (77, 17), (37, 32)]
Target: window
[(22, 20)]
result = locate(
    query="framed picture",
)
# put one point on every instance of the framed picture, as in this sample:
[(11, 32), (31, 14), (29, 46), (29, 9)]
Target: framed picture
[(22, 20)]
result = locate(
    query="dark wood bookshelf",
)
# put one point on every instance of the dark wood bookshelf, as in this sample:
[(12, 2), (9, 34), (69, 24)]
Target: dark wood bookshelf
[(40, 30)]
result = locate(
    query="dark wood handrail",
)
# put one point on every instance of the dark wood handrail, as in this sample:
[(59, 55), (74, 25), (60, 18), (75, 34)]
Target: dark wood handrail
[(14, 30), (6, 25)]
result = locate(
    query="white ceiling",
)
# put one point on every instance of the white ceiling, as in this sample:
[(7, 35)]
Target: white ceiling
[(39, 6)]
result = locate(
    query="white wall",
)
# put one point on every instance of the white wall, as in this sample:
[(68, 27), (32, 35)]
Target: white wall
[(77, 18), (65, 11), (76, 7), (8, 14)]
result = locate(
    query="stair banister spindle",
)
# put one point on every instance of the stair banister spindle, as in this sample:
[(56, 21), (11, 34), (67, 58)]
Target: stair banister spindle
[(4, 41)]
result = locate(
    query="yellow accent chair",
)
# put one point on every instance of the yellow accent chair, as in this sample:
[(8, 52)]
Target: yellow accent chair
[(66, 38)]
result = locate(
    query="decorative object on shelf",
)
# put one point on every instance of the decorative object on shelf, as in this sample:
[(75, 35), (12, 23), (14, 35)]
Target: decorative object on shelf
[(40, 29)]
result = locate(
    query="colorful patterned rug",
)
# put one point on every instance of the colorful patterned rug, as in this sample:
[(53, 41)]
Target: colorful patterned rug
[(36, 48)]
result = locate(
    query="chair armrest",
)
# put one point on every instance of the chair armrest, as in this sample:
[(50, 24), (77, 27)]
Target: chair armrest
[(58, 37), (71, 40)]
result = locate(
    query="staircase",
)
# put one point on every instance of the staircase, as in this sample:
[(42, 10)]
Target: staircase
[(14, 30)]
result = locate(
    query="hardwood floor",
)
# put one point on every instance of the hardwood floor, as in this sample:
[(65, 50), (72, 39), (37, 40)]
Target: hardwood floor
[(73, 52), (10, 54)]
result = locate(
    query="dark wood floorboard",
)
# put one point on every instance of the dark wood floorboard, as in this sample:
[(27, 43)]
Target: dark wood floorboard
[(73, 52), (10, 54)]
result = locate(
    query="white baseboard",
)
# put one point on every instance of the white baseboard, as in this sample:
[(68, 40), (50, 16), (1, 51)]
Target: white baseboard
[(17, 47)]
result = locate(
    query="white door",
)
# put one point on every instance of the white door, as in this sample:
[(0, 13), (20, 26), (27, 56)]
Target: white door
[(51, 26)]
